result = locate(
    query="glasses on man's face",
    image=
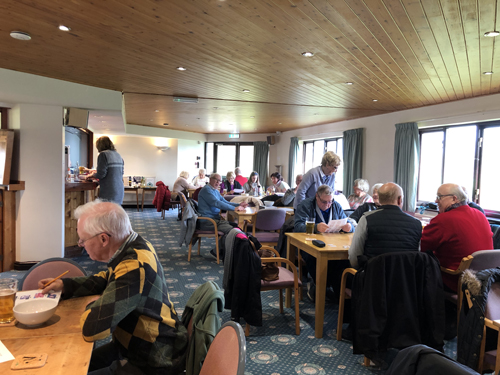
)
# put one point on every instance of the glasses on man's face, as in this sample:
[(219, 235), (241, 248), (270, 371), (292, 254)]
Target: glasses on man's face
[(216, 180), (439, 196), (81, 242), (328, 203)]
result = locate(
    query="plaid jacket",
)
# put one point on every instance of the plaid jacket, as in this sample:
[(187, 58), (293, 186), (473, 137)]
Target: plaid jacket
[(135, 307)]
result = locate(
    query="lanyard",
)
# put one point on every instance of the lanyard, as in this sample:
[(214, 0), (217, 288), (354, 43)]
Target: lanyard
[(320, 214)]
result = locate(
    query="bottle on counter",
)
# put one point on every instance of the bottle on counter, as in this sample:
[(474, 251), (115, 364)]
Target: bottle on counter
[(129, 181)]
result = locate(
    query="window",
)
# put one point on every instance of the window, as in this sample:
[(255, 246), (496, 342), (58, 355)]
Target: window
[(313, 152), (465, 155), (222, 157)]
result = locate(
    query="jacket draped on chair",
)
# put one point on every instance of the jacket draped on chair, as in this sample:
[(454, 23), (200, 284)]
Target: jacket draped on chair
[(162, 197)]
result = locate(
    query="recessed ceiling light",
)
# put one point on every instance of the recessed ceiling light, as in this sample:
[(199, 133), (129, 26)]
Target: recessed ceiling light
[(246, 90), (487, 73), (348, 83), (307, 54), (375, 100), (157, 110), (150, 119), (180, 68), (216, 107), (492, 33), (252, 116), (279, 123), (20, 35), (186, 125), (165, 124), (64, 28)]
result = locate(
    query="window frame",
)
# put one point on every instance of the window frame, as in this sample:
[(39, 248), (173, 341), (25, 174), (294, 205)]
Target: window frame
[(223, 143), (312, 141), (474, 196)]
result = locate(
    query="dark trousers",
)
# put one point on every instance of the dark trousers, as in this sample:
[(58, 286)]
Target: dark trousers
[(107, 361), (335, 269)]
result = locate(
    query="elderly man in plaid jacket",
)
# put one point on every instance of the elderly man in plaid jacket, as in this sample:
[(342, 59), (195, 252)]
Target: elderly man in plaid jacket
[(134, 305)]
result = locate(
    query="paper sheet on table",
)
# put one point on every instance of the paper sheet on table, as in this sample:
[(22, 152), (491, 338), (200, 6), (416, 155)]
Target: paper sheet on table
[(28, 295), (335, 226), (5, 355)]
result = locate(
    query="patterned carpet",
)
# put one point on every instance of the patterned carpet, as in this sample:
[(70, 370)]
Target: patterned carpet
[(272, 349)]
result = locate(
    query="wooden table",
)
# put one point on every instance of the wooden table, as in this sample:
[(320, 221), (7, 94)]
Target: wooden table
[(337, 246), (60, 337), (136, 189), (75, 194), (191, 192), (250, 213)]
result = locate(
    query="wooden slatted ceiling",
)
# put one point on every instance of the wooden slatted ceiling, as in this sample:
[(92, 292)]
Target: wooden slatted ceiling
[(403, 53)]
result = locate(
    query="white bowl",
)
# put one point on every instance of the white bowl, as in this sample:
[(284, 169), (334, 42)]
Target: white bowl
[(268, 203), (35, 312)]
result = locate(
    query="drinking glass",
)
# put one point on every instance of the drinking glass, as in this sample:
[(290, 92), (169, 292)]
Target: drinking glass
[(310, 225), (8, 289)]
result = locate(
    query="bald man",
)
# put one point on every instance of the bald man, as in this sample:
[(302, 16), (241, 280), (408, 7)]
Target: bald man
[(456, 232), (388, 229)]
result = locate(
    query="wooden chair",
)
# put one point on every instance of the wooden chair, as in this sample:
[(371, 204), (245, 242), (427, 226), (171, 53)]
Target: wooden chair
[(51, 267), (456, 298), (489, 360), (199, 234), (268, 222), (287, 279), (227, 353), (345, 293)]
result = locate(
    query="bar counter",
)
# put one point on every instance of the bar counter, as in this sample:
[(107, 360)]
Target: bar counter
[(75, 194)]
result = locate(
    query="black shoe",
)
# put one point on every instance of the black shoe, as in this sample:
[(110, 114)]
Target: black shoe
[(311, 291), (331, 296), (347, 333), (213, 253)]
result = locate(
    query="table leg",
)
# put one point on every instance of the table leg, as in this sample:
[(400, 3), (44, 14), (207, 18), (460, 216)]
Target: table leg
[(142, 204), (321, 275), (137, 198), (290, 254)]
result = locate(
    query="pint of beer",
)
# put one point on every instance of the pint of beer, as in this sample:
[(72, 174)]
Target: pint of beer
[(310, 225), (8, 289)]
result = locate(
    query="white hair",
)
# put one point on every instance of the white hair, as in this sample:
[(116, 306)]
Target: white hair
[(325, 190), (184, 174), (105, 217), (376, 187), (362, 184)]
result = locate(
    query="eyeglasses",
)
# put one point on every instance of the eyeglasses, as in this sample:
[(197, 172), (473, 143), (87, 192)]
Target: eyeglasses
[(329, 203), (439, 196), (219, 181), (81, 242)]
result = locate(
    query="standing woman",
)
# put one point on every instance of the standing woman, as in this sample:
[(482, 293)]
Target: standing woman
[(252, 186), (109, 171)]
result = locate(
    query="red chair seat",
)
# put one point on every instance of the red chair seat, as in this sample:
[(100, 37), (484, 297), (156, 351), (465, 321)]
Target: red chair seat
[(267, 236)]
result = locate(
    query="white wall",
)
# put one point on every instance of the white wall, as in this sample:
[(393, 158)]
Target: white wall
[(187, 153), (142, 158), (378, 163), (40, 208)]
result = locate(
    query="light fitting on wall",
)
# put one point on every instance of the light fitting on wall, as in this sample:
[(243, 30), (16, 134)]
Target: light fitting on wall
[(162, 148)]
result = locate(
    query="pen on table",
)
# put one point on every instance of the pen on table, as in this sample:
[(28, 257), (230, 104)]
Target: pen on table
[(57, 278)]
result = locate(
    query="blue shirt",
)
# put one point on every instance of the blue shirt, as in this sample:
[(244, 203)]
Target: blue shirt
[(308, 209), (210, 202), (311, 181)]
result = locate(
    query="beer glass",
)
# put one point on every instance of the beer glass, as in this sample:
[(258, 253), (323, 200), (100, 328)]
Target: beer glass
[(8, 289), (310, 225)]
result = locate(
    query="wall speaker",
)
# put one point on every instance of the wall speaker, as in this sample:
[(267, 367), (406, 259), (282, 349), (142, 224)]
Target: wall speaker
[(271, 140), (76, 117)]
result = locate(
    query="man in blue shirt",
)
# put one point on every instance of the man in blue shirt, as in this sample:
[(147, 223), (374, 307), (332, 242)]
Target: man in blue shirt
[(323, 209), (315, 177), (210, 203)]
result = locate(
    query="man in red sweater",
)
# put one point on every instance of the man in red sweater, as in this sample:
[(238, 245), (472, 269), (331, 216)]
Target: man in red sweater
[(456, 232), (239, 177)]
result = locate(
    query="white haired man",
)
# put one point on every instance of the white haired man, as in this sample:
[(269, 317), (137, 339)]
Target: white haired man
[(456, 232), (134, 305)]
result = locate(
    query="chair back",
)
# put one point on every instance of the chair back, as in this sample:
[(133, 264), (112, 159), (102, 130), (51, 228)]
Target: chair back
[(196, 193), (227, 353), (51, 267), (493, 303), (182, 199), (485, 259), (270, 219)]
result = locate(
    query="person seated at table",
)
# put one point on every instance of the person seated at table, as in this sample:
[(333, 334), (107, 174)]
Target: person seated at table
[(323, 208), (388, 229), (368, 206), (210, 203), (278, 186), (181, 185), (239, 176), (134, 305), (315, 177), (200, 180), (456, 232), (252, 186), (360, 194), (230, 184), (289, 196), (471, 203)]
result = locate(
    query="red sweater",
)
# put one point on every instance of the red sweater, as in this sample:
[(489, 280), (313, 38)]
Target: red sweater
[(456, 234), (242, 180)]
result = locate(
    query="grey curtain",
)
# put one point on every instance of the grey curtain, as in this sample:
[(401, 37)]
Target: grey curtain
[(406, 160), (292, 159), (260, 156), (352, 158)]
